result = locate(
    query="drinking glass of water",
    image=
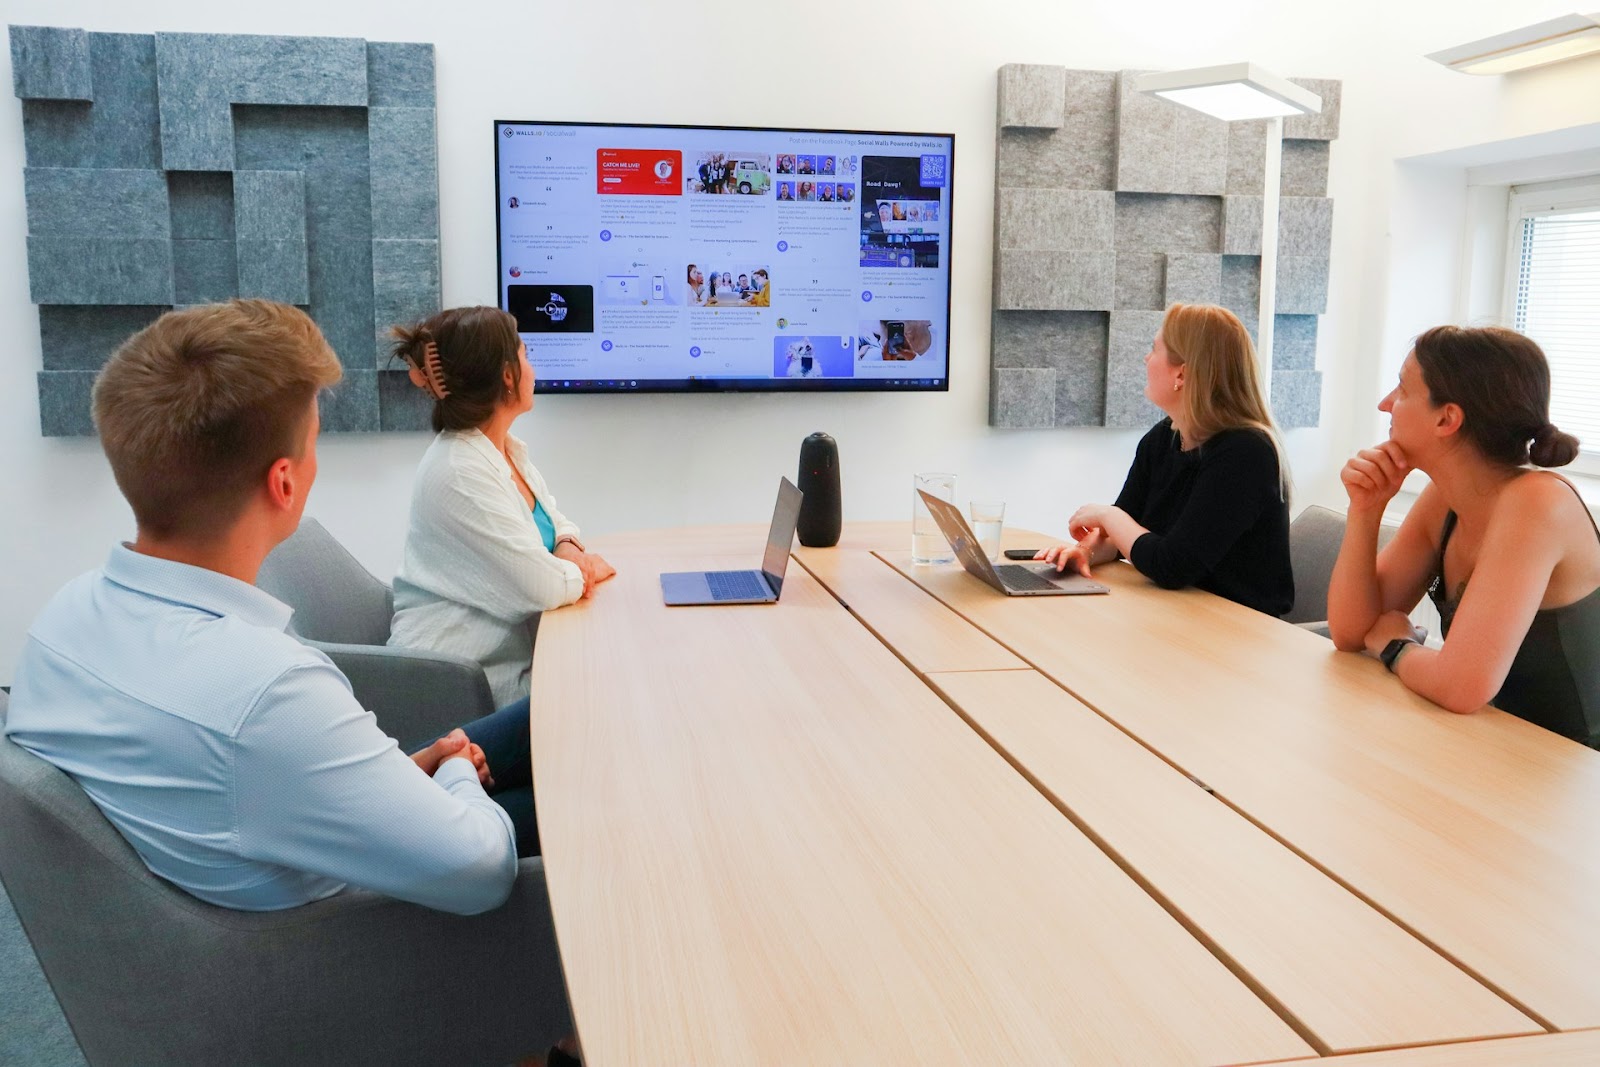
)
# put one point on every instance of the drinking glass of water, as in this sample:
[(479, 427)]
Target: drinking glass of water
[(988, 519), (927, 543)]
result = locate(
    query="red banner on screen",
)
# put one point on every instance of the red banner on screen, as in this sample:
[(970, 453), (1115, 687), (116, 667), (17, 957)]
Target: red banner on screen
[(639, 171)]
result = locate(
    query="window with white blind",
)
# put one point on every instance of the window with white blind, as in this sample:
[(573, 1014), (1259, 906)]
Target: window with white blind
[(1553, 296)]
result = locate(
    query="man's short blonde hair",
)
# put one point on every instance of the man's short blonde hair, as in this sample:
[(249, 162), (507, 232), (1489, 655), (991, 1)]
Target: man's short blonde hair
[(195, 408)]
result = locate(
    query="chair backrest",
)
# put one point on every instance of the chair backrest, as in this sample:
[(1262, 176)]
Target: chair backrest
[(88, 905), (334, 597), (1314, 539)]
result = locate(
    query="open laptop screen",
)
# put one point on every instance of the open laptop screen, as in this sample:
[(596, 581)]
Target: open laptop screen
[(785, 516)]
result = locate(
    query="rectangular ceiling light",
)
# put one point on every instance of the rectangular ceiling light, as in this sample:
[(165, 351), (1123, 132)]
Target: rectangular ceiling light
[(1232, 91), (1567, 37)]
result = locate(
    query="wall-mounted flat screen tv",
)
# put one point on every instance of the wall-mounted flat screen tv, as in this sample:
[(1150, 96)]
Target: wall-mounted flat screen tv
[(678, 258)]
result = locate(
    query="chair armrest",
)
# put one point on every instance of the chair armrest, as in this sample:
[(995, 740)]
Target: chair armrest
[(363, 978), (416, 695)]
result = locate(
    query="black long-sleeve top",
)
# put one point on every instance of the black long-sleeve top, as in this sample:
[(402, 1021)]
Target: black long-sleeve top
[(1216, 515)]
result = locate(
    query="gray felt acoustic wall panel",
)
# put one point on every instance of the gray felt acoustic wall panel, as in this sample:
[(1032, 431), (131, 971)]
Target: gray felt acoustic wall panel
[(1110, 205), (165, 170)]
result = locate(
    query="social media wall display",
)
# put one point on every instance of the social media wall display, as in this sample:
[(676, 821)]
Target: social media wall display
[(661, 258)]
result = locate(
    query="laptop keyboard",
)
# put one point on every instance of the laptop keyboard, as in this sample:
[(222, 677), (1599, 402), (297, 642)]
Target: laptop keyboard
[(736, 585), (1017, 577)]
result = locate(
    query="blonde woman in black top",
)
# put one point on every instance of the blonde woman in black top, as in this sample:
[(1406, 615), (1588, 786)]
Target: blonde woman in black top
[(1511, 556), (1206, 500)]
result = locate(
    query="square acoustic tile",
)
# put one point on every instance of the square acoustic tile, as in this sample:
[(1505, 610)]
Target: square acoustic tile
[(81, 337), (1022, 398), (1055, 281), (1131, 334), (171, 170), (204, 271), (120, 128), (96, 202), (202, 75), (48, 63), (1147, 222), (1193, 278), (399, 74), (1186, 193), (1055, 220), (100, 270), (1294, 344), (1070, 343), (1164, 147), (1302, 285), (1305, 169), (202, 205), (1032, 96), (1247, 158), (1324, 125), (405, 183), (1141, 281), (269, 205), (64, 409), (1241, 289), (273, 270), (1296, 398), (1305, 226), (1078, 154)]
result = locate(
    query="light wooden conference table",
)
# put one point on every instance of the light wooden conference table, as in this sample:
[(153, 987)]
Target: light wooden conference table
[(900, 818)]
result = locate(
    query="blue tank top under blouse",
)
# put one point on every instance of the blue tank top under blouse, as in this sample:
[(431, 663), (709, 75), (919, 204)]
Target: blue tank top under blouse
[(547, 529)]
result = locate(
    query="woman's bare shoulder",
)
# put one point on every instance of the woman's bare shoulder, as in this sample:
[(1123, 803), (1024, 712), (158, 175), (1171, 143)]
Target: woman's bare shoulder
[(1541, 503), (1543, 496)]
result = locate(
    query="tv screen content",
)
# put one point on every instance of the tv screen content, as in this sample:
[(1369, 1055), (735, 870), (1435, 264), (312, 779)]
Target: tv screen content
[(675, 258)]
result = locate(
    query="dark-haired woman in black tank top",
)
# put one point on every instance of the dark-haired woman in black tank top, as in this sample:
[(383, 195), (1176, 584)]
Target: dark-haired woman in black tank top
[(1510, 555)]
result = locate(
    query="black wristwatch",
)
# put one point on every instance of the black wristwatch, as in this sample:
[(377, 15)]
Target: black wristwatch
[(1391, 652)]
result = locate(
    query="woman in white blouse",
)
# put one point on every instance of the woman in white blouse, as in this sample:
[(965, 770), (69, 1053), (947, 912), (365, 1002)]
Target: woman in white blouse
[(487, 549)]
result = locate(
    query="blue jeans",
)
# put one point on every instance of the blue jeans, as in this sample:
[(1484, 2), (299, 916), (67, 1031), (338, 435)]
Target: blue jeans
[(503, 736)]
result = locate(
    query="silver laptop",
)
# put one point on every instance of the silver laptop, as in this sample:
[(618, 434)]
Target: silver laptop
[(743, 587), (1012, 579)]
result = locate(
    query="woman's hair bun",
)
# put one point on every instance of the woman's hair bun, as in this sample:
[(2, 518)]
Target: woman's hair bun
[(1552, 448)]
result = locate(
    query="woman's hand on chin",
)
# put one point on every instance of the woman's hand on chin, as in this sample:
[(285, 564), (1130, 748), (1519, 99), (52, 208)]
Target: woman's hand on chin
[(1374, 475)]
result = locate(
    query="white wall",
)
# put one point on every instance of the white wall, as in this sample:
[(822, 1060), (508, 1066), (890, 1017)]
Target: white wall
[(629, 462)]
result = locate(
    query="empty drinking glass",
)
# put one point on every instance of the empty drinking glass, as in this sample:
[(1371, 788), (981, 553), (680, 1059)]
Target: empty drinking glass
[(988, 519), (927, 543)]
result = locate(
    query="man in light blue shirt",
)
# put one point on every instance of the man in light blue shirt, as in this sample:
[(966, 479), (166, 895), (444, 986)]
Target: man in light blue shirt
[(233, 758)]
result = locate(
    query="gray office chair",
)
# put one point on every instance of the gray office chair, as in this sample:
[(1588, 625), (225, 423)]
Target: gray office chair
[(1314, 539), (340, 608), (147, 974), (34, 1032)]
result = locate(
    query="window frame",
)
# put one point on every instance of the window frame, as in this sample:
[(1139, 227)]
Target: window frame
[(1530, 201)]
